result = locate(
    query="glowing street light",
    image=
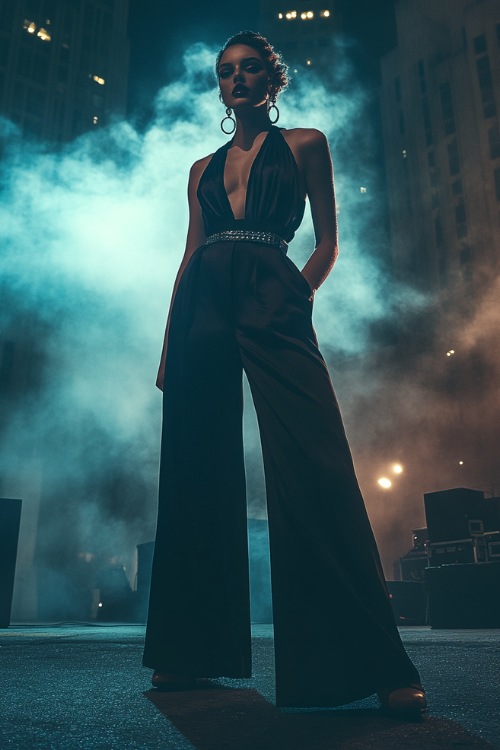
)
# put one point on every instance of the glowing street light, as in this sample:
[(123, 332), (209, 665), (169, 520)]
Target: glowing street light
[(385, 483), (397, 468)]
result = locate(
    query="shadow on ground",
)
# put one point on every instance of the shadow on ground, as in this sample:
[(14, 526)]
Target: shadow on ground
[(215, 717)]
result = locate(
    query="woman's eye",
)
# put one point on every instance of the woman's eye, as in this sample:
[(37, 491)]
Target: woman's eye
[(224, 73)]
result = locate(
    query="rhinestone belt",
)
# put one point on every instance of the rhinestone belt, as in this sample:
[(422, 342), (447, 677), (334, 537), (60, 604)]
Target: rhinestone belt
[(233, 235)]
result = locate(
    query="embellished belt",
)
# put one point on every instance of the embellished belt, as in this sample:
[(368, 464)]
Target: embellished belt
[(247, 235)]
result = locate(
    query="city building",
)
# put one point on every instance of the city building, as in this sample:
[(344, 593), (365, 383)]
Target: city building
[(440, 101), (440, 105), (63, 64), (63, 72), (302, 29)]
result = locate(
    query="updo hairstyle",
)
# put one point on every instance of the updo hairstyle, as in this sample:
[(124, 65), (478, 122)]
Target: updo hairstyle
[(276, 68)]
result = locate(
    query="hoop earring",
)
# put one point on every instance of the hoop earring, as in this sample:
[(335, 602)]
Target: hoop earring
[(228, 117), (270, 107)]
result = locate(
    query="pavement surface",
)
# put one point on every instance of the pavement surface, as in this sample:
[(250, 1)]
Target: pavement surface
[(81, 686)]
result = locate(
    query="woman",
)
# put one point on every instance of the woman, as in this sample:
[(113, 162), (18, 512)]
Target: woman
[(240, 303)]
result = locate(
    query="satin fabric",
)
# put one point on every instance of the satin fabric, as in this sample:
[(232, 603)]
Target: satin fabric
[(274, 202)]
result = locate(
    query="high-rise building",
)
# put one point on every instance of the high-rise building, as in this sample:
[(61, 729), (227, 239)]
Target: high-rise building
[(440, 102), (63, 72), (63, 64), (302, 29)]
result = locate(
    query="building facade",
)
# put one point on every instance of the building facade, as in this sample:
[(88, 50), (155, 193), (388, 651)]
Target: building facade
[(63, 64), (440, 101), (63, 72), (303, 30)]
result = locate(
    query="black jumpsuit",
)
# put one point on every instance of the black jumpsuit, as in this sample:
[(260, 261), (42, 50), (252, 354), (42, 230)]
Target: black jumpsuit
[(245, 305)]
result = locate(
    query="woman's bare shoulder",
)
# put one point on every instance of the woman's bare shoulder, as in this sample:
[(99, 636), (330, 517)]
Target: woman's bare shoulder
[(200, 164), (305, 137)]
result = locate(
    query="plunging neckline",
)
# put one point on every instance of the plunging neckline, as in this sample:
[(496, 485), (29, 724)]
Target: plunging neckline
[(250, 175)]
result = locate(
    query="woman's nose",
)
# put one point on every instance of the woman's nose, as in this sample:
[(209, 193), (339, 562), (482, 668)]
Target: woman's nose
[(238, 76)]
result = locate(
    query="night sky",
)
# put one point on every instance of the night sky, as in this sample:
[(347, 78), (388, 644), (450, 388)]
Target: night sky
[(160, 31)]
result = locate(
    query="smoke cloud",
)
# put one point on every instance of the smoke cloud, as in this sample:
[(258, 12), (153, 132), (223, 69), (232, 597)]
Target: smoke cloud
[(92, 236)]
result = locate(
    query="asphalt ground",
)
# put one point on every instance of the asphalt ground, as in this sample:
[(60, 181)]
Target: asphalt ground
[(75, 686)]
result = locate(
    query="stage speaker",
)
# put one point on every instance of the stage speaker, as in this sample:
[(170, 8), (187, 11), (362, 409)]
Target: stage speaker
[(10, 520), (448, 513), (409, 602), (412, 565), (464, 596), (490, 514)]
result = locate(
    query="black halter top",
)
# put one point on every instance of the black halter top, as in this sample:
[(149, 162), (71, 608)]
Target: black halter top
[(274, 202)]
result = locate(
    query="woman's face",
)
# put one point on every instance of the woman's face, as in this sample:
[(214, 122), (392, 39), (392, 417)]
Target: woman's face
[(243, 79)]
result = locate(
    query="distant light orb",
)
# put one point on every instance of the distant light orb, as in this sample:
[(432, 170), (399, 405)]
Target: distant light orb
[(385, 483), (450, 352), (460, 463), (397, 468)]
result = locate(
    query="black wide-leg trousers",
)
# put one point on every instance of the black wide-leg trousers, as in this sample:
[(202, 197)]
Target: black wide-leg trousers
[(241, 305)]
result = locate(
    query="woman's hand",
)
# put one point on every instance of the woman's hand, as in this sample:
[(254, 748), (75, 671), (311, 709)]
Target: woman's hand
[(160, 376)]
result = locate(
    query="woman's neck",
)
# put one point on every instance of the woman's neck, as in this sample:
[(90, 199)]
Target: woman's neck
[(249, 123)]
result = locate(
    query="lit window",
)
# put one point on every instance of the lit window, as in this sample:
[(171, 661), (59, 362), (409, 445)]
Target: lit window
[(308, 62), (95, 119), (310, 14), (303, 16), (362, 190), (325, 14), (404, 153), (44, 35), (98, 80), (29, 26), (288, 16), (280, 15)]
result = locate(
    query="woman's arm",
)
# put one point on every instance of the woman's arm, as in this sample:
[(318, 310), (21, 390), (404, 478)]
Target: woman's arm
[(318, 174), (195, 238)]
